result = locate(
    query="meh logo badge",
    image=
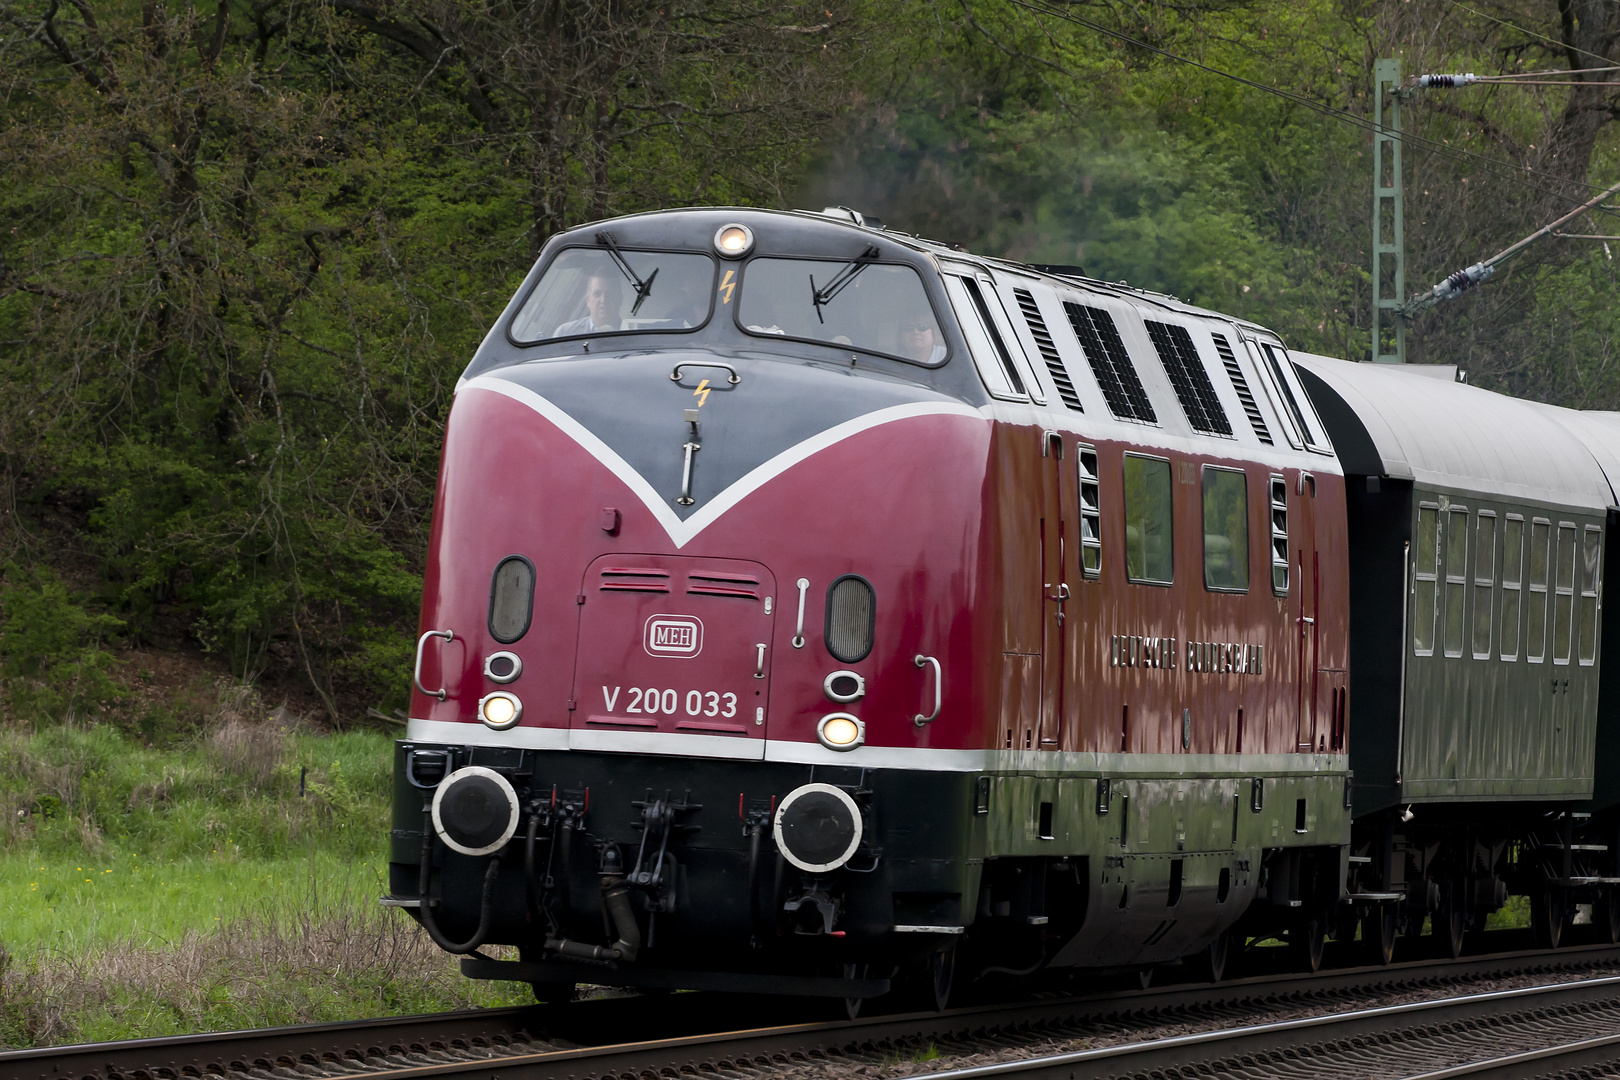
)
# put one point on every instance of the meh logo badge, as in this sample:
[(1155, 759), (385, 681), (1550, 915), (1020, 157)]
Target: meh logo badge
[(673, 635)]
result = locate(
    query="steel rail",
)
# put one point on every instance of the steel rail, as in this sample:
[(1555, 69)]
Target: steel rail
[(1314, 1042), (534, 1042)]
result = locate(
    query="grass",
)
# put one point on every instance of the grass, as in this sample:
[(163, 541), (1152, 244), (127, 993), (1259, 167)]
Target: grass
[(227, 879)]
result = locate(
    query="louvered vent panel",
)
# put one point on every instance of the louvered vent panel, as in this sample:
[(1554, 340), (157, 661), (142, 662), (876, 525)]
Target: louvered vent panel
[(740, 586), (1187, 375), (1110, 363), (1241, 385), (1049, 353), (633, 579)]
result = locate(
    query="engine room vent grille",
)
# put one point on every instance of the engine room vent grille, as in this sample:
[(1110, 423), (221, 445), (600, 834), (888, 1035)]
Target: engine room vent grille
[(1049, 353), (634, 579), (1110, 363), (1191, 381), (851, 618), (709, 583), (1241, 386)]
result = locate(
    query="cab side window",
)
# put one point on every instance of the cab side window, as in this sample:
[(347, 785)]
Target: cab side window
[(1226, 530), (1149, 553)]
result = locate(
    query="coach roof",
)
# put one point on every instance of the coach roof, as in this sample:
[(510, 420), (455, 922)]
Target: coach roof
[(1403, 422)]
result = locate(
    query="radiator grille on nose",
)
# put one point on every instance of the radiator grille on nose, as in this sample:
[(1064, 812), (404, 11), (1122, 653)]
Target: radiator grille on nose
[(850, 618), (633, 579)]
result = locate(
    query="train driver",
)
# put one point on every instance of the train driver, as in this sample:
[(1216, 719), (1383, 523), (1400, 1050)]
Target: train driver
[(602, 299), (919, 340)]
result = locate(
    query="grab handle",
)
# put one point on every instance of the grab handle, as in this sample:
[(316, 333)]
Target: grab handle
[(441, 693), (733, 378), (798, 629), (939, 678)]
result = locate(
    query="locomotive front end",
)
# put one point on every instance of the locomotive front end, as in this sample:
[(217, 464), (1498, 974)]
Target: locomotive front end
[(708, 527)]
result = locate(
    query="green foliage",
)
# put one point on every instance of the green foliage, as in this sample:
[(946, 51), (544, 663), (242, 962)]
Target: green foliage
[(51, 656)]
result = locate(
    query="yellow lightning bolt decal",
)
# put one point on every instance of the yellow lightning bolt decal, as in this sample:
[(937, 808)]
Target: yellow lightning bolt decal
[(702, 393), (728, 285)]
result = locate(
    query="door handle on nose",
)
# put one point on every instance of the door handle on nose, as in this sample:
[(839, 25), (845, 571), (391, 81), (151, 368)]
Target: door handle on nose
[(759, 665)]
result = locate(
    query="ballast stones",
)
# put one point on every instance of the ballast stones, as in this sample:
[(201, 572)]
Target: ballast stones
[(475, 810), (818, 827)]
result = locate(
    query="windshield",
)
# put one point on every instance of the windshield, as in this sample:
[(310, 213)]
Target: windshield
[(857, 302), (585, 291)]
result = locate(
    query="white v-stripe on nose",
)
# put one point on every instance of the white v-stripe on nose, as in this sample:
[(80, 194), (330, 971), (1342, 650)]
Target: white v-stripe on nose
[(681, 532)]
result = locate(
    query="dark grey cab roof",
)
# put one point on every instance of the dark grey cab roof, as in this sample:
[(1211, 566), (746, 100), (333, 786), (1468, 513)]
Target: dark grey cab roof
[(1448, 435)]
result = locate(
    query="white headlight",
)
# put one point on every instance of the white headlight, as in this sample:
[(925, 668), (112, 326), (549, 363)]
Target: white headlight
[(500, 710), (734, 241), (841, 731)]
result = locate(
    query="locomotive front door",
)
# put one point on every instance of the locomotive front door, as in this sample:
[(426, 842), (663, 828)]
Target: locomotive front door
[(676, 646), (1055, 593), (1307, 589)]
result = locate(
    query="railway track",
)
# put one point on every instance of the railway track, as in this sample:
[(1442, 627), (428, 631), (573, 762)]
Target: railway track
[(1553, 1030)]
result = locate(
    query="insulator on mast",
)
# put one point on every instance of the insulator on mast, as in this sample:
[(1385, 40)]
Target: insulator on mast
[(1462, 281), (1445, 82)]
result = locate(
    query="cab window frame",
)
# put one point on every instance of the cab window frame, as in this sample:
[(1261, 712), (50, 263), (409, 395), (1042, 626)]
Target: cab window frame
[(1169, 502), (528, 294), (836, 261), (1248, 551)]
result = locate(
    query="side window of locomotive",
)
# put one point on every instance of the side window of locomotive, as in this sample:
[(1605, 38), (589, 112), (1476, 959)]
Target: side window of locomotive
[(1564, 597), (1090, 512), (1149, 551), (586, 292), (1484, 580), (1535, 628), (1279, 534), (1426, 565), (1294, 398), (1512, 577), (511, 599), (1226, 530), (857, 303), (1456, 546), (1591, 547), (990, 354)]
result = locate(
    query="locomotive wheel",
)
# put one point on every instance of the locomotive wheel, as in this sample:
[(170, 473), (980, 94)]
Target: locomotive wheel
[(1378, 928), (1450, 923), (1306, 941), (1606, 914), (941, 974), (1547, 913)]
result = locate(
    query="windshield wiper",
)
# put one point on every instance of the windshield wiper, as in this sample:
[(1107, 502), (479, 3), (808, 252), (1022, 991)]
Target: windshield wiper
[(643, 288), (851, 271)]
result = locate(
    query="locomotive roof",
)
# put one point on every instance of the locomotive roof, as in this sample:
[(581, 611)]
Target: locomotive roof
[(1404, 423)]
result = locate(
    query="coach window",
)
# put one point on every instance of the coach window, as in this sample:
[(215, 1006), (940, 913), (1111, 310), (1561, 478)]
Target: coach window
[(1226, 530), (1535, 627), (1426, 567), (1512, 575), (1456, 577), (1591, 546), (1484, 581), (1564, 598), (1149, 556)]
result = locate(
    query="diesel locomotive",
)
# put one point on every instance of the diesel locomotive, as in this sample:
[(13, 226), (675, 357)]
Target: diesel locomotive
[(814, 609)]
